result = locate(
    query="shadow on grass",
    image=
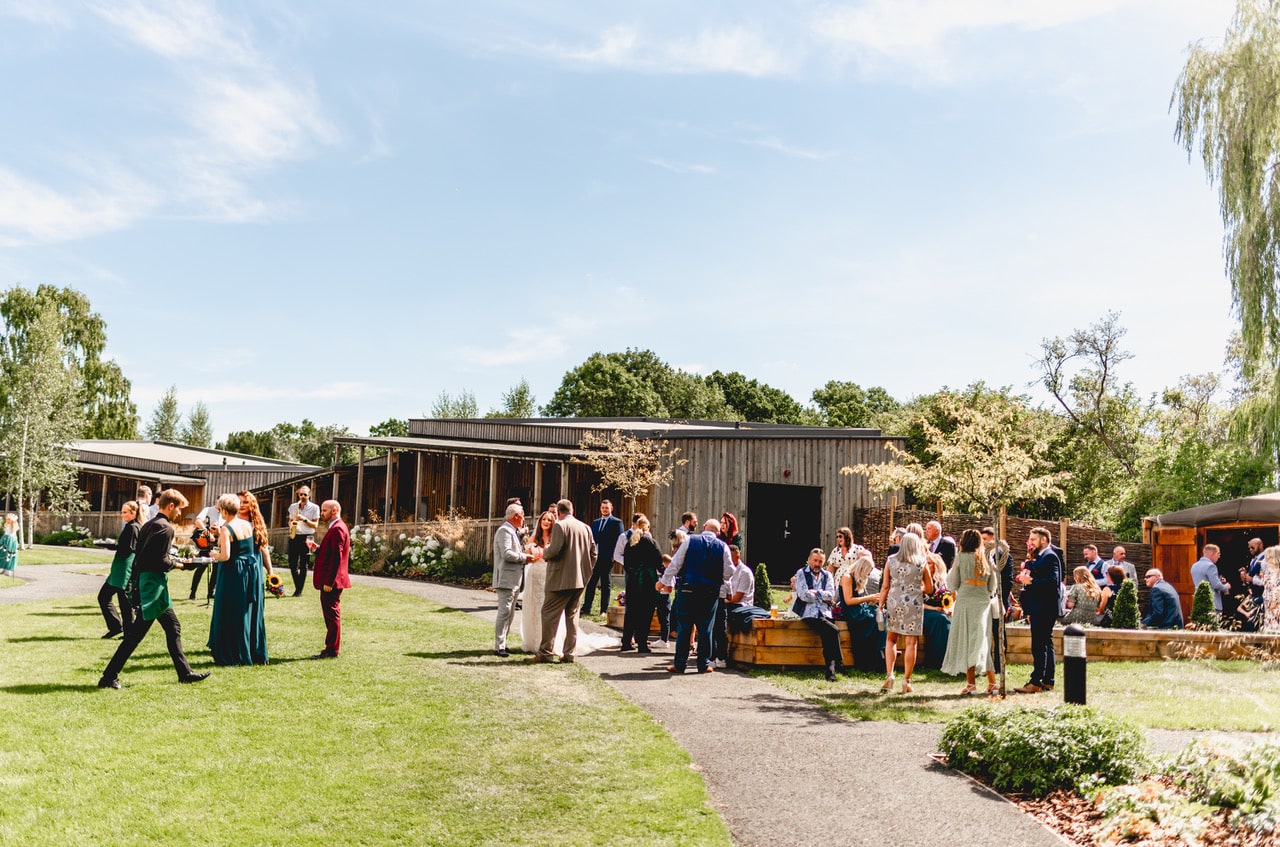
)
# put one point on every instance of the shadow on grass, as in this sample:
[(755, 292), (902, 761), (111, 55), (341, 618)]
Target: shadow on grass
[(450, 610), (45, 638), (452, 654), (47, 688), (63, 614)]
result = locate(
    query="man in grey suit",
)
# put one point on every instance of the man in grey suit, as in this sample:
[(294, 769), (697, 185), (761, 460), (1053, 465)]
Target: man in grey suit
[(570, 558), (509, 560), (1206, 570)]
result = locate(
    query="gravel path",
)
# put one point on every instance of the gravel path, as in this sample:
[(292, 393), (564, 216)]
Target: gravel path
[(51, 582)]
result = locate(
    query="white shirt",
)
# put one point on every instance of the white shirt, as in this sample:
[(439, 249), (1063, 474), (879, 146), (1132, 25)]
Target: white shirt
[(310, 512), (210, 516), (745, 581), (620, 548)]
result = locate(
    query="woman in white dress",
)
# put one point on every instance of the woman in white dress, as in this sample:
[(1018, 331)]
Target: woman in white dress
[(535, 588)]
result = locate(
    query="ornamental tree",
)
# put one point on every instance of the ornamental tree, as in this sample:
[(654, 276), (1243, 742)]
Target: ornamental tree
[(631, 465)]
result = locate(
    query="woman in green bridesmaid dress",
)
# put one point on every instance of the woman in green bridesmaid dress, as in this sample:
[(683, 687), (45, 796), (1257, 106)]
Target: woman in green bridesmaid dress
[(236, 633)]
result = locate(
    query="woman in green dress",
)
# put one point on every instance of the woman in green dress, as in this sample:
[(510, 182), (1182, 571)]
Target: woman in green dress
[(115, 588), (9, 545), (975, 582), (234, 636)]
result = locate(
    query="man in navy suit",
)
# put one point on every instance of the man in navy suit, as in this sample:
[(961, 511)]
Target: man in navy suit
[(1043, 579), (1166, 608), (605, 530), (943, 545)]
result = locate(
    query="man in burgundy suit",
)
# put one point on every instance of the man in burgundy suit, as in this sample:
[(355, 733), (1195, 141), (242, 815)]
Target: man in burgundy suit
[(330, 576)]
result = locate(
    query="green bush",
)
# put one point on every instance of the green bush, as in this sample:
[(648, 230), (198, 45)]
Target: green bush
[(1245, 779), (1030, 749), (67, 536), (764, 596), (1203, 615), (1125, 613), (423, 556)]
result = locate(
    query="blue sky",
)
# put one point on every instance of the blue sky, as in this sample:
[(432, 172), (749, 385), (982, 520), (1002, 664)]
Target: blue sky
[(338, 210)]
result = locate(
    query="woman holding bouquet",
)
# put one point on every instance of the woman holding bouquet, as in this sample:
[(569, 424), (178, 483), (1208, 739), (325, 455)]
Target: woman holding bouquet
[(237, 635), (975, 582)]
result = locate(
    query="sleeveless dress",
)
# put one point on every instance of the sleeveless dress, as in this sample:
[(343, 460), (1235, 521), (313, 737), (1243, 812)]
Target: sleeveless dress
[(905, 603), (237, 633), (535, 592)]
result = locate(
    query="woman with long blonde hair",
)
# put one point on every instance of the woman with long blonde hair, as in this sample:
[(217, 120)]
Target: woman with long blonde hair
[(642, 564), (1086, 600), (904, 584)]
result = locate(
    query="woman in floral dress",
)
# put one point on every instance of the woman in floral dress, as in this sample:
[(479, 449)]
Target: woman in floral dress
[(905, 582)]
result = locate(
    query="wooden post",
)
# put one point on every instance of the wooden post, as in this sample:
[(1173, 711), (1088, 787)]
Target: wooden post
[(535, 506), (359, 486), (564, 480), (493, 500), (417, 486), (893, 507), (102, 510), (1063, 523), (387, 514), (275, 506), (453, 483), (1003, 528)]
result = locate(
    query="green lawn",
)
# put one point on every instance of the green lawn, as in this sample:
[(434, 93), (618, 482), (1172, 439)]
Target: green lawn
[(44, 555), (416, 735), (1183, 694)]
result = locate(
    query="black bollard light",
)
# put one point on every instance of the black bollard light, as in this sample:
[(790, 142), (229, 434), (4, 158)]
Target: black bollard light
[(1074, 663)]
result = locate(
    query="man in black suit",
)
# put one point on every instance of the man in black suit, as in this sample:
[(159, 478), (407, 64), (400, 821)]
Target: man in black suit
[(1042, 578), (152, 563), (605, 530), (943, 545)]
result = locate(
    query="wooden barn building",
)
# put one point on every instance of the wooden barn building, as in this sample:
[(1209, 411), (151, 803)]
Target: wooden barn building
[(110, 471), (782, 482), (1177, 538)]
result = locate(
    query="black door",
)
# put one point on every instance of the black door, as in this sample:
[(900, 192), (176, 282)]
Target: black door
[(784, 522), (1234, 543)]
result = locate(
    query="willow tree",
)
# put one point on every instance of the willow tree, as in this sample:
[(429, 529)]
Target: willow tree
[(1227, 102)]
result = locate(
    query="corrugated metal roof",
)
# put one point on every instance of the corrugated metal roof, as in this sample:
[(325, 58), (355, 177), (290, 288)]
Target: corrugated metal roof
[(129, 473), (179, 454)]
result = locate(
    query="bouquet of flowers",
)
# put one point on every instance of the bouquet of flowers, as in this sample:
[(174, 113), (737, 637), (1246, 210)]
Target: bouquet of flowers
[(941, 599), (275, 585)]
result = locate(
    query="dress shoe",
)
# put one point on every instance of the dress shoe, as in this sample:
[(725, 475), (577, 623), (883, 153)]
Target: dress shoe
[(296, 594), (109, 683), (1029, 688), (674, 669), (567, 660), (325, 654), (707, 669), (626, 648), (195, 677), (112, 633), (643, 650), (537, 660), (1048, 686), (503, 653)]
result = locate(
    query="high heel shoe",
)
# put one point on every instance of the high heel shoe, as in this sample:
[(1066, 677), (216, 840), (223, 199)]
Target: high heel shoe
[(888, 685), (906, 688), (968, 689)]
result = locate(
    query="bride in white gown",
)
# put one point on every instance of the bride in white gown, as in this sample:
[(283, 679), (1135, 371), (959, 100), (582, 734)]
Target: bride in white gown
[(535, 589)]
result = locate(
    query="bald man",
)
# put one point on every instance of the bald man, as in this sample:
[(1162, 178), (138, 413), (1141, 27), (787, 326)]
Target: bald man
[(330, 576)]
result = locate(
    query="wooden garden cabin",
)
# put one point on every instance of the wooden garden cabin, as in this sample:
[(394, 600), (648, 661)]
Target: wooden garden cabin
[(1177, 539)]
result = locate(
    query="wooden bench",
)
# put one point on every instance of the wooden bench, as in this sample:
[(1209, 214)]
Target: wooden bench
[(1144, 645)]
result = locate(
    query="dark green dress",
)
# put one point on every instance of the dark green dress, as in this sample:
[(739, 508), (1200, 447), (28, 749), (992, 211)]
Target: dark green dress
[(237, 633)]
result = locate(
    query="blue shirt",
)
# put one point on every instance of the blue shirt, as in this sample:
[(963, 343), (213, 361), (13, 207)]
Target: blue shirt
[(817, 601)]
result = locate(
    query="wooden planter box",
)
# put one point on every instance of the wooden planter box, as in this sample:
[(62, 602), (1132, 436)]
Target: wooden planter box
[(1134, 645), (614, 619), (783, 644)]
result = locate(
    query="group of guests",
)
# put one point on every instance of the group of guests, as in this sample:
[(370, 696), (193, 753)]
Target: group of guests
[(1259, 608), (698, 585), (136, 592)]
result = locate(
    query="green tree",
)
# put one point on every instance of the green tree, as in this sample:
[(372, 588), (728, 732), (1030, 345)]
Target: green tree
[(1227, 102), (993, 452), (197, 431), (462, 406), (518, 402), (635, 384), (166, 420), (108, 410), (850, 405), (752, 400), (633, 466), (306, 443), (43, 412), (391, 428)]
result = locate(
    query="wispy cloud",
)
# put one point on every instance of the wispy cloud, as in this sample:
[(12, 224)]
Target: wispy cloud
[(777, 145), (235, 114), (915, 33), (683, 167), (734, 50), (526, 344)]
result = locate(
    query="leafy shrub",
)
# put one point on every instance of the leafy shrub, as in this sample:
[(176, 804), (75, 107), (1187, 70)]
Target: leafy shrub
[(1203, 615), (437, 552), (1029, 749), (67, 536), (1243, 778), (1125, 613), (764, 596)]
